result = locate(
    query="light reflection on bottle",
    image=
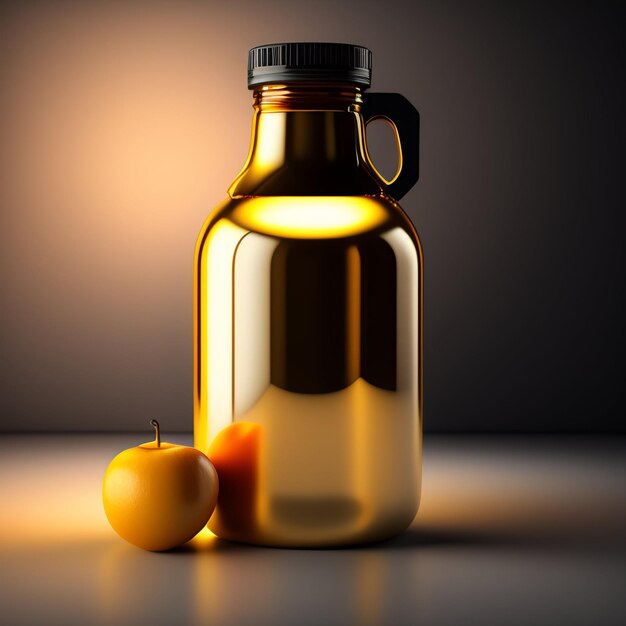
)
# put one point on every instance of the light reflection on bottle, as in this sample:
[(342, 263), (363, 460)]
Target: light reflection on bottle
[(309, 217)]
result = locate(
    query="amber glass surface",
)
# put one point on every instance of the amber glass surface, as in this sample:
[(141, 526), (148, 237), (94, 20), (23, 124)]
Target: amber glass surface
[(308, 316)]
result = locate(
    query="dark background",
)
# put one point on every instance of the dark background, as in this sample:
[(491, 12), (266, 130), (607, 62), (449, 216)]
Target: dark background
[(123, 124)]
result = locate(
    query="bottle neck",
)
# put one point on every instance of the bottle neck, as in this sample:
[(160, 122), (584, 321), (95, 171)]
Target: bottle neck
[(307, 96), (307, 139)]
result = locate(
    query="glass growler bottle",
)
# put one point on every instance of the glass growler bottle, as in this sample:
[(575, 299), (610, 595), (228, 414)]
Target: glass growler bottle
[(308, 313)]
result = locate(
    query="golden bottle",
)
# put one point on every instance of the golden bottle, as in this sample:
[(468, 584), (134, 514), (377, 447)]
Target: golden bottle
[(308, 314)]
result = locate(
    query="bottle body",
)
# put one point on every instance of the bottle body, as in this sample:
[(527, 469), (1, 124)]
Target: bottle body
[(308, 314), (308, 334)]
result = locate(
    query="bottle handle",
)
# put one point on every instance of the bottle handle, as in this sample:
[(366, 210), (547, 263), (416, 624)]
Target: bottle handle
[(404, 118)]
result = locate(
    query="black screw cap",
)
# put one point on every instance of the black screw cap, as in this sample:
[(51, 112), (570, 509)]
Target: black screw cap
[(284, 62)]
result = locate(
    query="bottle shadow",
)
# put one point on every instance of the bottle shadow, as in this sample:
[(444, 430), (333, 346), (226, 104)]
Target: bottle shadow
[(435, 537), (421, 537), (413, 538), (562, 539)]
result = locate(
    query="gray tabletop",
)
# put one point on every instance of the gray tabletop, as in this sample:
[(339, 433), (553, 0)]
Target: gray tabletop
[(511, 530)]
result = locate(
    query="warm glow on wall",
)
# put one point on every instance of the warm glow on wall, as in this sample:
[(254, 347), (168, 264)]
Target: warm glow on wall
[(120, 131)]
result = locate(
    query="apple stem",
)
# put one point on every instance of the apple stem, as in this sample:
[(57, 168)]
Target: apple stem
[(155, 424)]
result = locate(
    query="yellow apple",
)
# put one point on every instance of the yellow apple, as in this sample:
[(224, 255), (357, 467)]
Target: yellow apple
[(159, 495)]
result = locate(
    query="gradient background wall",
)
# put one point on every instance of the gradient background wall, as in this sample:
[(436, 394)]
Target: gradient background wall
[(123, 123)]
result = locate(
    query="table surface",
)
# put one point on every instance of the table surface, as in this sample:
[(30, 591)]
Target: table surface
[(511, 530)]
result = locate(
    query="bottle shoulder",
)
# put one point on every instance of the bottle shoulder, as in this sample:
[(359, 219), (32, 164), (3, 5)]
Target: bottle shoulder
[(309, 217)]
